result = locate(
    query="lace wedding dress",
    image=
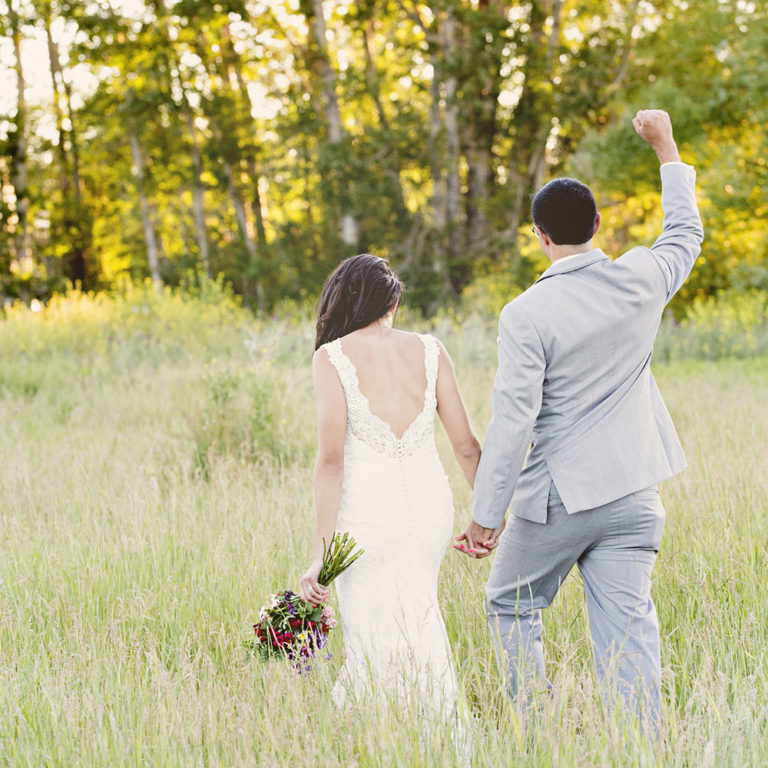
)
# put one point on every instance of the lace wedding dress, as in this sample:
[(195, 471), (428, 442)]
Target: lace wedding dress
[(397, 503)]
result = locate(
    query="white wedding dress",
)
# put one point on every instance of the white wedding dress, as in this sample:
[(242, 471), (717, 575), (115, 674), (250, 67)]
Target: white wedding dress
[(397, 504)]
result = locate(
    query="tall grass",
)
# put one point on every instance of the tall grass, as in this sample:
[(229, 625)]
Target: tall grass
[(156, 488)]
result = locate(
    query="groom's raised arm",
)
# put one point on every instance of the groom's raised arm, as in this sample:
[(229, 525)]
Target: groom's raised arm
[(517, 394), (678, 246), (676, 249)]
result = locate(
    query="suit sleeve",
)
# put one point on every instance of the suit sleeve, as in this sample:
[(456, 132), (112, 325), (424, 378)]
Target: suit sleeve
[(679, 244), (517, 394)]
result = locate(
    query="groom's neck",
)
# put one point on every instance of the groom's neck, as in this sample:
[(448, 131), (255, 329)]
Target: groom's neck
[(557, 252)]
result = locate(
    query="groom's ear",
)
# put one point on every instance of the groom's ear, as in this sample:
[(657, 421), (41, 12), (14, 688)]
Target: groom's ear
[(598, 222)]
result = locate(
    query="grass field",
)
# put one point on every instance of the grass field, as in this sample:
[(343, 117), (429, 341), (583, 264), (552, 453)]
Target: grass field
[(155, 484)]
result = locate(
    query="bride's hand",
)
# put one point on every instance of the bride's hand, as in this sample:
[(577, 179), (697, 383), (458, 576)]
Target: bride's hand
[(478, 542), (311, 590)]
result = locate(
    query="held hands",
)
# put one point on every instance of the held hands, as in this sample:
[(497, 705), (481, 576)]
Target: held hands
[(478, 542), (655, 127), (310, 589)]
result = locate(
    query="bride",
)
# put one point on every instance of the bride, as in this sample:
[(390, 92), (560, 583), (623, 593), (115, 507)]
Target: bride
[(378, 476)]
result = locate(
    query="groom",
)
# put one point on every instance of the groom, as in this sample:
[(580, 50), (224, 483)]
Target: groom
[(574, 385)]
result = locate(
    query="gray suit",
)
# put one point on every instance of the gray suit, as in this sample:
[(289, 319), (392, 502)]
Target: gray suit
[(574, 385)]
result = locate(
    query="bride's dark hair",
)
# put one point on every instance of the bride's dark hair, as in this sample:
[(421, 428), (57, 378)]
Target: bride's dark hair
[(359, 291)]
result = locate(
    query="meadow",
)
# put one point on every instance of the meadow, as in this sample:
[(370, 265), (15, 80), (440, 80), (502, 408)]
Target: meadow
[(156, 459)]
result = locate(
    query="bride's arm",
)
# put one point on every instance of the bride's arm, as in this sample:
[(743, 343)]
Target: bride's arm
[(329, 466), (453, 414)]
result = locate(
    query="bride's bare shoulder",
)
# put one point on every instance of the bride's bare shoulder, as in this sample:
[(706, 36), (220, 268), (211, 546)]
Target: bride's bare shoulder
[(419, 335), (406, 336)]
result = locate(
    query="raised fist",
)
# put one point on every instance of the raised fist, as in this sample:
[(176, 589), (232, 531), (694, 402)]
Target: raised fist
[(655, 127)]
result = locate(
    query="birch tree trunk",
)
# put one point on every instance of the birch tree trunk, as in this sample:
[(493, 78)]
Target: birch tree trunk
[(198, 188), (372, 80), (479, 131), (255, 176), (535, 110), (453, 222), (258, 205), (69, 172), (237, 203), (348, 224), (224, 67), (146, 220), (439, 181), (435, 139), (443, 146), (22, 239), (55, 70), (84, 221), (261, 247)]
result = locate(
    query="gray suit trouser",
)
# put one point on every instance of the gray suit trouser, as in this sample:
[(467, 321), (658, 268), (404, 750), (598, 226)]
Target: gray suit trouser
[(615, 547)]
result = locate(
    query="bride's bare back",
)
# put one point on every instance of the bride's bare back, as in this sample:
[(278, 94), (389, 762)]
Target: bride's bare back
[(391, 373)]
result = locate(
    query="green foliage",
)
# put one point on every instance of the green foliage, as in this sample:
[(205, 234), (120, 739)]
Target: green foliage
[(489, 294), (708, 71), (137, 320), (735, 324), (239, 415), (207, 133)]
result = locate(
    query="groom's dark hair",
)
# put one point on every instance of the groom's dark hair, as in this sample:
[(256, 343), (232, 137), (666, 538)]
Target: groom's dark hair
[(565, 209)]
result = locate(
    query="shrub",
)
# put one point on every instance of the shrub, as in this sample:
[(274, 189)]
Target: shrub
[(731, 324), (138, 320)]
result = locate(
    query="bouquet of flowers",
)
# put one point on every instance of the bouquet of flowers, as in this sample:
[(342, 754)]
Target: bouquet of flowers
[(296, 630)]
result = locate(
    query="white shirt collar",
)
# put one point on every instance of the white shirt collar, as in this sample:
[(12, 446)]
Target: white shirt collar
[(572, 256)]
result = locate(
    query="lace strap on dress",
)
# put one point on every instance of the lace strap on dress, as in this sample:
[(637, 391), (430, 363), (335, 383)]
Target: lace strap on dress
[(343, 366), (431, 355)]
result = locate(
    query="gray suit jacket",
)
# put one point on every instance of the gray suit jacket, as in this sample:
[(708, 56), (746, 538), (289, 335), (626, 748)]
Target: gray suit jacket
[(574, 382)]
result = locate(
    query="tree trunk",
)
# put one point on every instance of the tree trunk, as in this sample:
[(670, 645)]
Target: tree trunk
[(371, 74), (77, 182), (55, 70), (434, 143), (198, 188), (452, 179), (237, 203), (146, 220), (348, 224), (374, 91), (68, 169), (257, 205), (535, 110), (22, 239), (253, 171), (227, 65), (483, 84), (479, 176)]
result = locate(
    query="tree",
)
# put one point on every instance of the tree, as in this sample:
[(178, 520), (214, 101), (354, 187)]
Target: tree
[(266, 140), (18, 142), (70, 222), (320, 64)]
